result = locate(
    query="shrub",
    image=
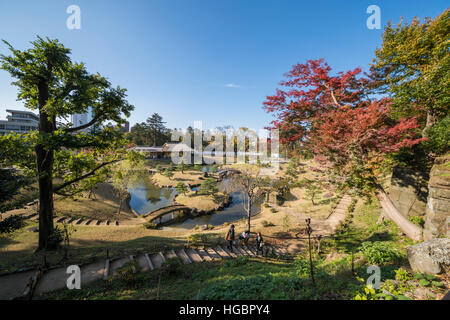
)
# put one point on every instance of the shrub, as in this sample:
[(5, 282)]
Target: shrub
[(417, 220), (173, 266), (379, 252), (266, 224), (239, 261), (127, 273), (55, 238), (273, 210), (302, 266), (150, 225), (11, 224)]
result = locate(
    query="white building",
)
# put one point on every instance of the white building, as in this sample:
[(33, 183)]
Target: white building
[(79, 119), (19, 121)]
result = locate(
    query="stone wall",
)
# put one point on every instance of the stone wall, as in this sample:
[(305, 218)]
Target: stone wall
[(437, 219), (408, 191)]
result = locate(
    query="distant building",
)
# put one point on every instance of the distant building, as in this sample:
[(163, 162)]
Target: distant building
[(79, 119), (126, 127), (19, 121), (163, 152)]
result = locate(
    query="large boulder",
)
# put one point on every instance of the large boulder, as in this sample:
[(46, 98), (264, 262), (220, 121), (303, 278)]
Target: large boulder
[(432, 256)]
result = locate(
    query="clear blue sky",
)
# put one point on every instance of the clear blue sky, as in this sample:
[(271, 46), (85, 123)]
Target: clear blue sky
[(208, 60)]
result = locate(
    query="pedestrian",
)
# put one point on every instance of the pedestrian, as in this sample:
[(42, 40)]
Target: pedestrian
[(259, 243), (230, 237), (244, 237)]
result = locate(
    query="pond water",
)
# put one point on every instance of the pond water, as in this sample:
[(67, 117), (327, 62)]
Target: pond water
[(146, 196)]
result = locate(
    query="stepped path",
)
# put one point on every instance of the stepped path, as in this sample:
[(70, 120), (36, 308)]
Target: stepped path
[(18, 285)]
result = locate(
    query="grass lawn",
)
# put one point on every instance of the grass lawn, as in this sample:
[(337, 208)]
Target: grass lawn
[(201, 202), (192, 177), (269, 278)]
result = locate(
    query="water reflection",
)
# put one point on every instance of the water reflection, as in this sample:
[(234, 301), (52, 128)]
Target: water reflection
[(146, 197)]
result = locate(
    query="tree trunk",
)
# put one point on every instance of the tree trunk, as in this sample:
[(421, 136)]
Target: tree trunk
[(410, 229), (120, 203), (44, 162), (431, 120)]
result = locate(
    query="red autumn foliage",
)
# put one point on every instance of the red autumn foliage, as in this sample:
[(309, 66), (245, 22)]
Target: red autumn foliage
[(333, 116), (308, 92), (367, 132)]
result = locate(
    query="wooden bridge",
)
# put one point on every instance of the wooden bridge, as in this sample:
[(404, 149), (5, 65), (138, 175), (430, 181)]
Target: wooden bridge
[(158, 214)]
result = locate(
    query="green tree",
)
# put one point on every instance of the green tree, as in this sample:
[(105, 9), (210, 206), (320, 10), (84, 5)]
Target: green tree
[(413, 67), (208, 187), (157, 128), (168, 173), (181, 188), (313, 187), (181, 167), (125, 175), (49, 82)]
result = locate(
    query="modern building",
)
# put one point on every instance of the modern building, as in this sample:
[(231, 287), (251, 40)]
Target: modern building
[(79, 119), (165, 151), (19, 121)]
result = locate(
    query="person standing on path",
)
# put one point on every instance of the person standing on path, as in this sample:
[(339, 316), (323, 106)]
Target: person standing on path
[(259, 243), (230, 237)]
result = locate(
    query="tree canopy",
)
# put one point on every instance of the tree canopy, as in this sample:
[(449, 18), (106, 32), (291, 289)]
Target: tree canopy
[(51, 83)]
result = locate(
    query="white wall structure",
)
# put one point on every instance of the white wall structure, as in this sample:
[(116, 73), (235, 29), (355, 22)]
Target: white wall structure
[(79, 119), (19, 121)]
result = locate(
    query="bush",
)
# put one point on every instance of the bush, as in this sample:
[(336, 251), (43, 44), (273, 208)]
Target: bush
[(239, 261), (55, 238), (11, 224), (273, 210), (417, 220), (150, 225), (302, 266), (173, 266), (127, 273), (266, 224), (379, 252)]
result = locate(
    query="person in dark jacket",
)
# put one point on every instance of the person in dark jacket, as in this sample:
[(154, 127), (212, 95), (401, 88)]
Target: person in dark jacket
[(230, 237), (259, 242)]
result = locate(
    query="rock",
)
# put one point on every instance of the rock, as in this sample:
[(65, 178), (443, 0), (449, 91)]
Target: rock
[(33, 229), (432, 256), (423, 293), (203, 227)]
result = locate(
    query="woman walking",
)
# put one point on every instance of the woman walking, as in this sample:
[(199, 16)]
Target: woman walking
[(259, 243), (230, 237)]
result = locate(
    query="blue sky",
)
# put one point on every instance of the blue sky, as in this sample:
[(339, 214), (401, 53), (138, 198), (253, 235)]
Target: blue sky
[(207, 60)]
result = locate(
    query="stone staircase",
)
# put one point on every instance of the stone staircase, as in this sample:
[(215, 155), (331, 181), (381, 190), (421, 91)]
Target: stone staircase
[(78, 221), (17, 285)]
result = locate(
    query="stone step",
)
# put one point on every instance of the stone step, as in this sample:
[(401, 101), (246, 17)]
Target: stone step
[(193, 255), (117, 264), (157, 260), (213, 254), (252, 249), (205, 256), (231, 254), (182, 254), (149, 261), (241, 251), (77, 221), (60, 219), (221, 252), (92, 272), (249, 252), (170, 254)]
